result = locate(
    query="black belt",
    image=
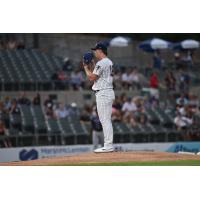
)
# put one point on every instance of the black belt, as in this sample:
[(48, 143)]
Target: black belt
[(95, 91)]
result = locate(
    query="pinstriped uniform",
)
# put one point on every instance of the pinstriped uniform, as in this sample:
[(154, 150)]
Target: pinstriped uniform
[(105, 97)]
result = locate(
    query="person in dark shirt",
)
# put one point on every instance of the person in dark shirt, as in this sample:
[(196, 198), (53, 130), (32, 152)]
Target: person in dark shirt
[(48, 103), (97, 131), (23, 100), (36, 100), (14, 108)]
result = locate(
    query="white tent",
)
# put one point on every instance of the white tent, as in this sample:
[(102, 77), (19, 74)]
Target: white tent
[(119, 42), (190, 44)]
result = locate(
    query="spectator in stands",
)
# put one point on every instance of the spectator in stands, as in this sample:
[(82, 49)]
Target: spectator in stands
[(154, 102), (23, 100), (116, 109), (182, 122), (14, 107), (7, 103), (186, 57), (48, 103), (117, 79), (181, 109), (146, 103), (177, 60), (77, 80), (139, 102), (154, 85), (170, 81), (37, 100), (125, 80), (129, 106), (86, 113), (62, 81), (12, 44), (67, 64), (61, 112), (193, 103), (61, 75), (157, 62), (5, 141), (117, 104), (50, 113), (154, 80), (182, 100), (134, 78), (184, 82), (122, 98), (128, 109)]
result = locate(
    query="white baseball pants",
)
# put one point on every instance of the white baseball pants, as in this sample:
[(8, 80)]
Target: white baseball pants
[(104, 100)]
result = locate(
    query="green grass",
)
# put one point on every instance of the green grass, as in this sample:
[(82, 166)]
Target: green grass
[(157, 163)]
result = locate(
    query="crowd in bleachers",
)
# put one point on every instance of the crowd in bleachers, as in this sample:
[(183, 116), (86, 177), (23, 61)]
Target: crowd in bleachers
[(128, 78), (12, 44), (187, 113), (132, 111), (57, 110)]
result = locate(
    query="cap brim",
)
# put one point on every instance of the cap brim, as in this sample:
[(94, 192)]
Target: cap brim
[(93, 49)]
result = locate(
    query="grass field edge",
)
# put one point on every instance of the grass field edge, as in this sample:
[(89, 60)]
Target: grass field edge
[(136, 163)]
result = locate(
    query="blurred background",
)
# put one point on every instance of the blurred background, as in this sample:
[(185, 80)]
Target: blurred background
[(45, 98)]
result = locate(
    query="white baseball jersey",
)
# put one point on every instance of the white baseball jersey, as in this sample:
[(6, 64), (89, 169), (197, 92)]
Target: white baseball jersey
[(103, 69), (105, 97)]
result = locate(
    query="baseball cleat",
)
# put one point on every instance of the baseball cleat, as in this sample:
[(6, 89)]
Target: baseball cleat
[(104, 150)]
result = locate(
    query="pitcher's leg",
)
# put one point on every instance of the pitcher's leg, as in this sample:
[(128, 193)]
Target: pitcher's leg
[(104, 108)]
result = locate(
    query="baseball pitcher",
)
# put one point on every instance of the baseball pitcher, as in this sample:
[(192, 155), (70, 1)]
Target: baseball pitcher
[(103, 88)]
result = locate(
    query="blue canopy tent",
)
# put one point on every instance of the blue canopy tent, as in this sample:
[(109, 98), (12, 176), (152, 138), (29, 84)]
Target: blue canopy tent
[(154, 44), (186, 45)]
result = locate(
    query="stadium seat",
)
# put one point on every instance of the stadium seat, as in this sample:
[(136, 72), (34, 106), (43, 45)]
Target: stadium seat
[(16, 121), (152, 116), (27, 69), (28, 125), (39, 120)]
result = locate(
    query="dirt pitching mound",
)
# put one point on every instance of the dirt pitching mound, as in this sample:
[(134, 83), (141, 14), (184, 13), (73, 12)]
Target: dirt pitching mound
[(106, 158)]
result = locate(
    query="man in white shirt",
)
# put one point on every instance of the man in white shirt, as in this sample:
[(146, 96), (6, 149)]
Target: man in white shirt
[(129, 106), (182, 121), (126, 80), (103, 88)]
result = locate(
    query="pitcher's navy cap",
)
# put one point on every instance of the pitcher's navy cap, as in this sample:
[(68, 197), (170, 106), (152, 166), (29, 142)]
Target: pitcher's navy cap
[(100, 45)]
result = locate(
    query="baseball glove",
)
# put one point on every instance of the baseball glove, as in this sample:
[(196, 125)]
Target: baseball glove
[(87, 58)]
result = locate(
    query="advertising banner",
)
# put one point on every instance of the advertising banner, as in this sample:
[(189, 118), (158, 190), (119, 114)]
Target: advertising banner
[(32, 153)]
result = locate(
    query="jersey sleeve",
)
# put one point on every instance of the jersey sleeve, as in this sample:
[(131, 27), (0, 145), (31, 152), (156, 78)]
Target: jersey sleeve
[(98, 69)]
